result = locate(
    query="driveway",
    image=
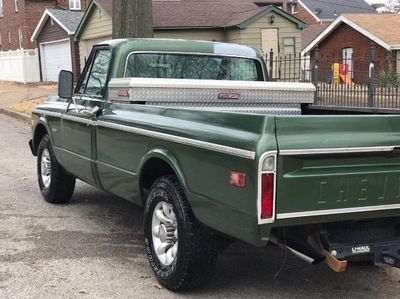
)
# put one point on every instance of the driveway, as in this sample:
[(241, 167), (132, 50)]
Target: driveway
[(13, 93), (93, 248)]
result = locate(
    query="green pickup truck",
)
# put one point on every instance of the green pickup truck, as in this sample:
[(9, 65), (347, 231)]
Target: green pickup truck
[(193, 132)]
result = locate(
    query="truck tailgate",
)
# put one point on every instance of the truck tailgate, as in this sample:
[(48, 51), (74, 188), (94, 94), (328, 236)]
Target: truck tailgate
[(337, 165)]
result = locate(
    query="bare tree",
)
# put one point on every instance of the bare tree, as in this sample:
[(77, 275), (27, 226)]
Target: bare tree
[(394, 6), (132, 18)]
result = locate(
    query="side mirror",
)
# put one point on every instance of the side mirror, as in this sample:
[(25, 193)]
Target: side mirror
[(65, 85)]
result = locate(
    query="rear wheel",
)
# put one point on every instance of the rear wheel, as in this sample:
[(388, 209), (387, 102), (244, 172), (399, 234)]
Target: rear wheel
[(56, 185), (182, 253)]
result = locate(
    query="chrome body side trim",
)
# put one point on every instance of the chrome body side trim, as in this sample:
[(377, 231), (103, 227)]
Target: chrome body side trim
[(47, 113), (176, 139), (181, 140), (338, 150), (78, 119), (337, 211), (259, 183)]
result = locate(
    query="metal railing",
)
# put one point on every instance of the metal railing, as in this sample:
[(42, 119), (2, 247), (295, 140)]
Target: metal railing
[(360, 82)]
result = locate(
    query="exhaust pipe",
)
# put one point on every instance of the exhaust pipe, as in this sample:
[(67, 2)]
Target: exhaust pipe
[(305, 253)]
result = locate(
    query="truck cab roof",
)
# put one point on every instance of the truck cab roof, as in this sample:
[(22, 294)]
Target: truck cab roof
[(123, 47), (179, 45)]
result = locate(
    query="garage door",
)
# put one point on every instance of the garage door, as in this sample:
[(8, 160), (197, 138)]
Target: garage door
[(55, 57)]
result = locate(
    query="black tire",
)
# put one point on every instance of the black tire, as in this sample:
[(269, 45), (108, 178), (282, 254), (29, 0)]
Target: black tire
[(61, 185), (197, 249)]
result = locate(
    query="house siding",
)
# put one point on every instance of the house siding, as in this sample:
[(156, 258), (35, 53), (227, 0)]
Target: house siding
[(251, 35), (346, 37), (233, 36), (98, 25), (98, 28), (51, 33), (210, 35)]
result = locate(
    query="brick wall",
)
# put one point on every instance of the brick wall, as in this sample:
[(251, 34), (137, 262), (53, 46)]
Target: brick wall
[(304, 15), (33, 12), (26, 18), (65, 4), (9, 24), (346, 37)]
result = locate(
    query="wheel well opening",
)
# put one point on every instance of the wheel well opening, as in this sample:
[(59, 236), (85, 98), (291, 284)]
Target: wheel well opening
[(40, 131), (152, 170)]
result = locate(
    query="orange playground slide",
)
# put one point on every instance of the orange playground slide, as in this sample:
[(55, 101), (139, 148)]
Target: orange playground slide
[(346, 79)]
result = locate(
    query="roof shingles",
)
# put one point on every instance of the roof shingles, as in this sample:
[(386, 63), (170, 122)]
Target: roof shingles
[(70, 19), (196, 13), (383, 26), (330, 9), (202, 13)]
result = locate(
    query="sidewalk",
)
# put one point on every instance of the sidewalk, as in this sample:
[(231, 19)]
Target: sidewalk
[(21, 98)]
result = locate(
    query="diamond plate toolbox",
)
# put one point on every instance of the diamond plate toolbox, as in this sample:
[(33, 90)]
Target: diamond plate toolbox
[(235, 96)]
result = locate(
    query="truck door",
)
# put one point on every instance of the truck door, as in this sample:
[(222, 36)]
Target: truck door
[(77, 136)]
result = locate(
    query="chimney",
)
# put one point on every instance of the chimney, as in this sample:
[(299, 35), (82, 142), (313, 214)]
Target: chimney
[(284, 5)]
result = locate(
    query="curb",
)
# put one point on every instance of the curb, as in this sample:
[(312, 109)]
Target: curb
[(20, 116)]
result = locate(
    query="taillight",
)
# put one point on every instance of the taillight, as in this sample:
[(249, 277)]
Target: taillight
[(266, 187), (267, 195)]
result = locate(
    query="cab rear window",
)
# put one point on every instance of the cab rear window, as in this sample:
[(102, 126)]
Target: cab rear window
[(191, 66)]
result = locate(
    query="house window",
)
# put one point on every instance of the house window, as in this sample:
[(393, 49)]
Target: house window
[(75, 4), (294, 8), (289, 45), (16, 4), (20, 38), (347, 57), (1, 8)]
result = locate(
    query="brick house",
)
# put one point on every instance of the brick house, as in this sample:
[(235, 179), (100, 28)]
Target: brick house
[(348, 40)]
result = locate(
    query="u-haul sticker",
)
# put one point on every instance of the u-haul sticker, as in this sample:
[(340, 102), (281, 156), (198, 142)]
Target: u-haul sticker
[(361, 249)]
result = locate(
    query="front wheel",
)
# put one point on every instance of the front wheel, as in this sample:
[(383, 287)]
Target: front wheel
[(55, 183), (182, 253)]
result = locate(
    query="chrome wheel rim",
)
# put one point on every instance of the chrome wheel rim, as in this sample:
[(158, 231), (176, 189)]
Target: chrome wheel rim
[(165, 233), (45, 168)]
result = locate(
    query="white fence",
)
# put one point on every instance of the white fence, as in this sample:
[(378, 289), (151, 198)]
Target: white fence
[(20, 66)]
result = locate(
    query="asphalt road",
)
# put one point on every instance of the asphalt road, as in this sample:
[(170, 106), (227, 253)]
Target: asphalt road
[(93, 248)]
